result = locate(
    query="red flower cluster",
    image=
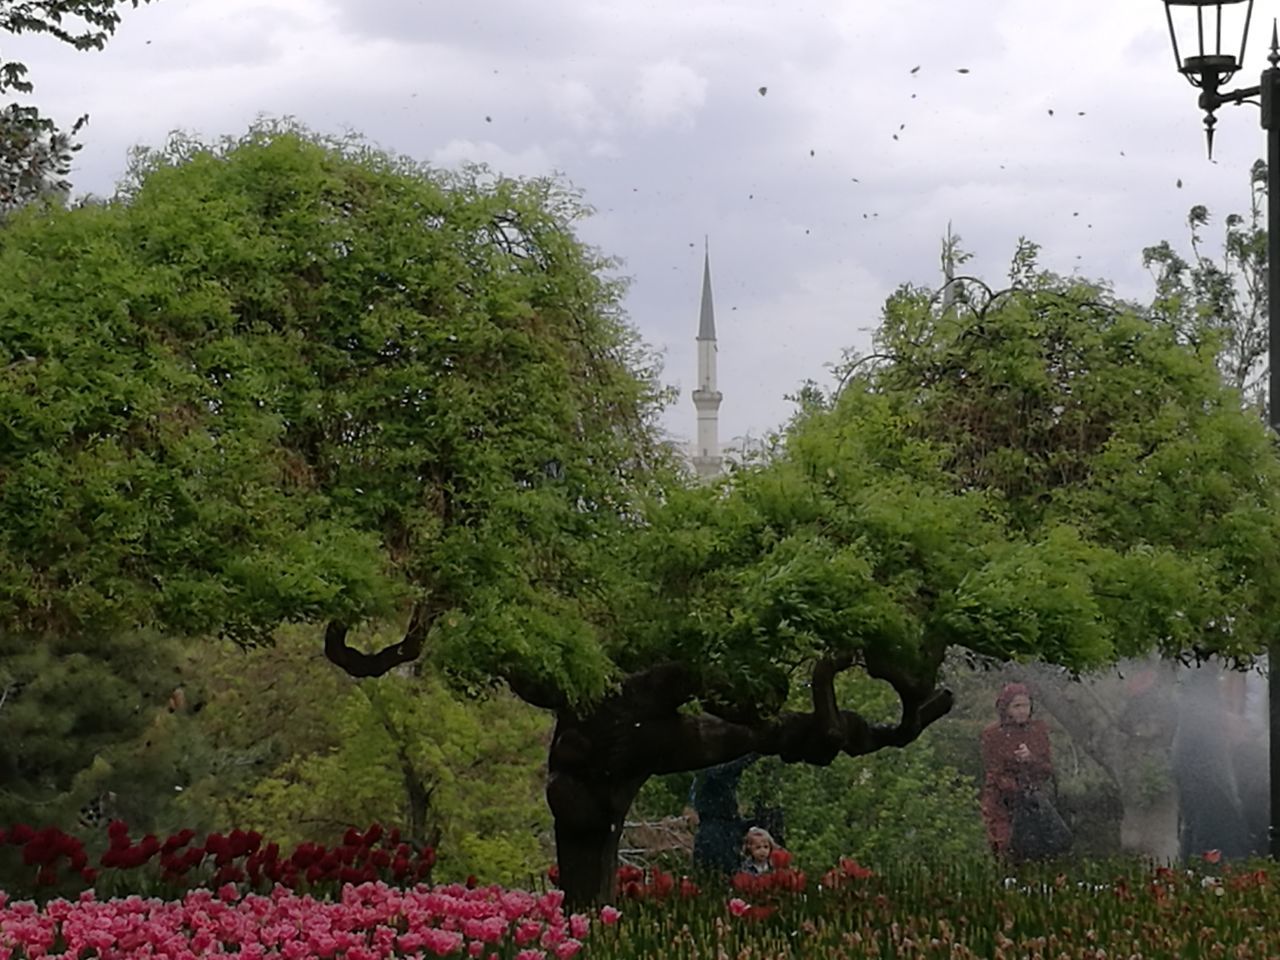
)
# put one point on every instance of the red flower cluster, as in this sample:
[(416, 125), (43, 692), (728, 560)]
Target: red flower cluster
[(740, 908), (779, 880), (846, 871), (1244, 879), (238, 857), (357, 860), (633, 885), (44, 848)]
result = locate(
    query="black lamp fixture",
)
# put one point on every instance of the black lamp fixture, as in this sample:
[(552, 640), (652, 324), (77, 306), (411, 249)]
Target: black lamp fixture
[(1210, 28)]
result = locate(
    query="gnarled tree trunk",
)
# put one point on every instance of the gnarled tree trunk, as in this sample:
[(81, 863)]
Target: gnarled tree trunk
[(601, 754), (601, 757)]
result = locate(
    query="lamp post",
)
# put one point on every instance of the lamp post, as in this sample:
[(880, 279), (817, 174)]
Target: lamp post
[(1204, 26)]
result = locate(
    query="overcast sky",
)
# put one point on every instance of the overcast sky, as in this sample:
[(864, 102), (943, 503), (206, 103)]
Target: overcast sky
[(794, 135)]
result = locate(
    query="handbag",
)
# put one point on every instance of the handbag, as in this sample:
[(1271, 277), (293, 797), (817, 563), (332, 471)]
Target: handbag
[(1038, 830)]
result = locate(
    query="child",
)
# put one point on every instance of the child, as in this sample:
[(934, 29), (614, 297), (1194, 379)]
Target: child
[(757, 847)]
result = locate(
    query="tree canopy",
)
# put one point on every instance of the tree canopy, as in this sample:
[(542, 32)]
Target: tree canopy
[(1046, 474), (288, 379)]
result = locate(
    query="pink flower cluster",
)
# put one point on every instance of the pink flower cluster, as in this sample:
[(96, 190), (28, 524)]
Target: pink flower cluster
[(371, 921)]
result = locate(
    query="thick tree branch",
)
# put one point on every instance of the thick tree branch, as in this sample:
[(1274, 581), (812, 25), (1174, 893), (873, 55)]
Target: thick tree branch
[(602, 755), (640, 731), (359, 664), (537, 693), (661, 688)]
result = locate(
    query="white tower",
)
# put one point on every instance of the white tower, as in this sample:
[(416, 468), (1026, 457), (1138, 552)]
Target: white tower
[(706, 398)]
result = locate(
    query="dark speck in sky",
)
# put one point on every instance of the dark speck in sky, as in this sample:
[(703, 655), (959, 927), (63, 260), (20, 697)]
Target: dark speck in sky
[(762, 91), (1179, 183), (962, 70), (915, 69)]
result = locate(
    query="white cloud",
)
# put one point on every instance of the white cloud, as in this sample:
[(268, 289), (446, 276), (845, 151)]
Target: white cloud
[(532, 161), (668, 93), (654, 111), (577, 104)]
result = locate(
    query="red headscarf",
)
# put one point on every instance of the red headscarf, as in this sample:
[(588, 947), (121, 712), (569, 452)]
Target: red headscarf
[(1010, 691)]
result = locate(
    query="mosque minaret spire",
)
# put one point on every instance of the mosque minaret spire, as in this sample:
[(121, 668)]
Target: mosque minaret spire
[(706, 397)]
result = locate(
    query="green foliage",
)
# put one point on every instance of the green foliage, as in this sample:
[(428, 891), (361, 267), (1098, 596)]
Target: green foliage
[(1221, 301), (892, 806), (480, 763), (1042, 474), (283, 378), (67, 702), (885, 807), (277, 739), (35, 156)]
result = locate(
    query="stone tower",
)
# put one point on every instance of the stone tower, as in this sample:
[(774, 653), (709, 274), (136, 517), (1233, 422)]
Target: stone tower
[(706, 398)]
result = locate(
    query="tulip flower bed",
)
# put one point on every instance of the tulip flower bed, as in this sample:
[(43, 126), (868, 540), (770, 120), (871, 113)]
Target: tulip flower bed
[(1116, 910), (57, 863), (370, 921), (364, 900)]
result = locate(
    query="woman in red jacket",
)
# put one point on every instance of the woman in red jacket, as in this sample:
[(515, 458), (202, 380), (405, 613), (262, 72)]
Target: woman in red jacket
[(1016, 762)]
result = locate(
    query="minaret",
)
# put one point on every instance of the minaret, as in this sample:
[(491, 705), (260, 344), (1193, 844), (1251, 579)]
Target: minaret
[(706, 398)]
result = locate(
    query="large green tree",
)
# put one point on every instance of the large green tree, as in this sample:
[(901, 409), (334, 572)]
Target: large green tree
[(1043, 473), (283, 379)]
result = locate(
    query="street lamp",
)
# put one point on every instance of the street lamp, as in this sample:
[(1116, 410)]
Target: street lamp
[(1204, 27)]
